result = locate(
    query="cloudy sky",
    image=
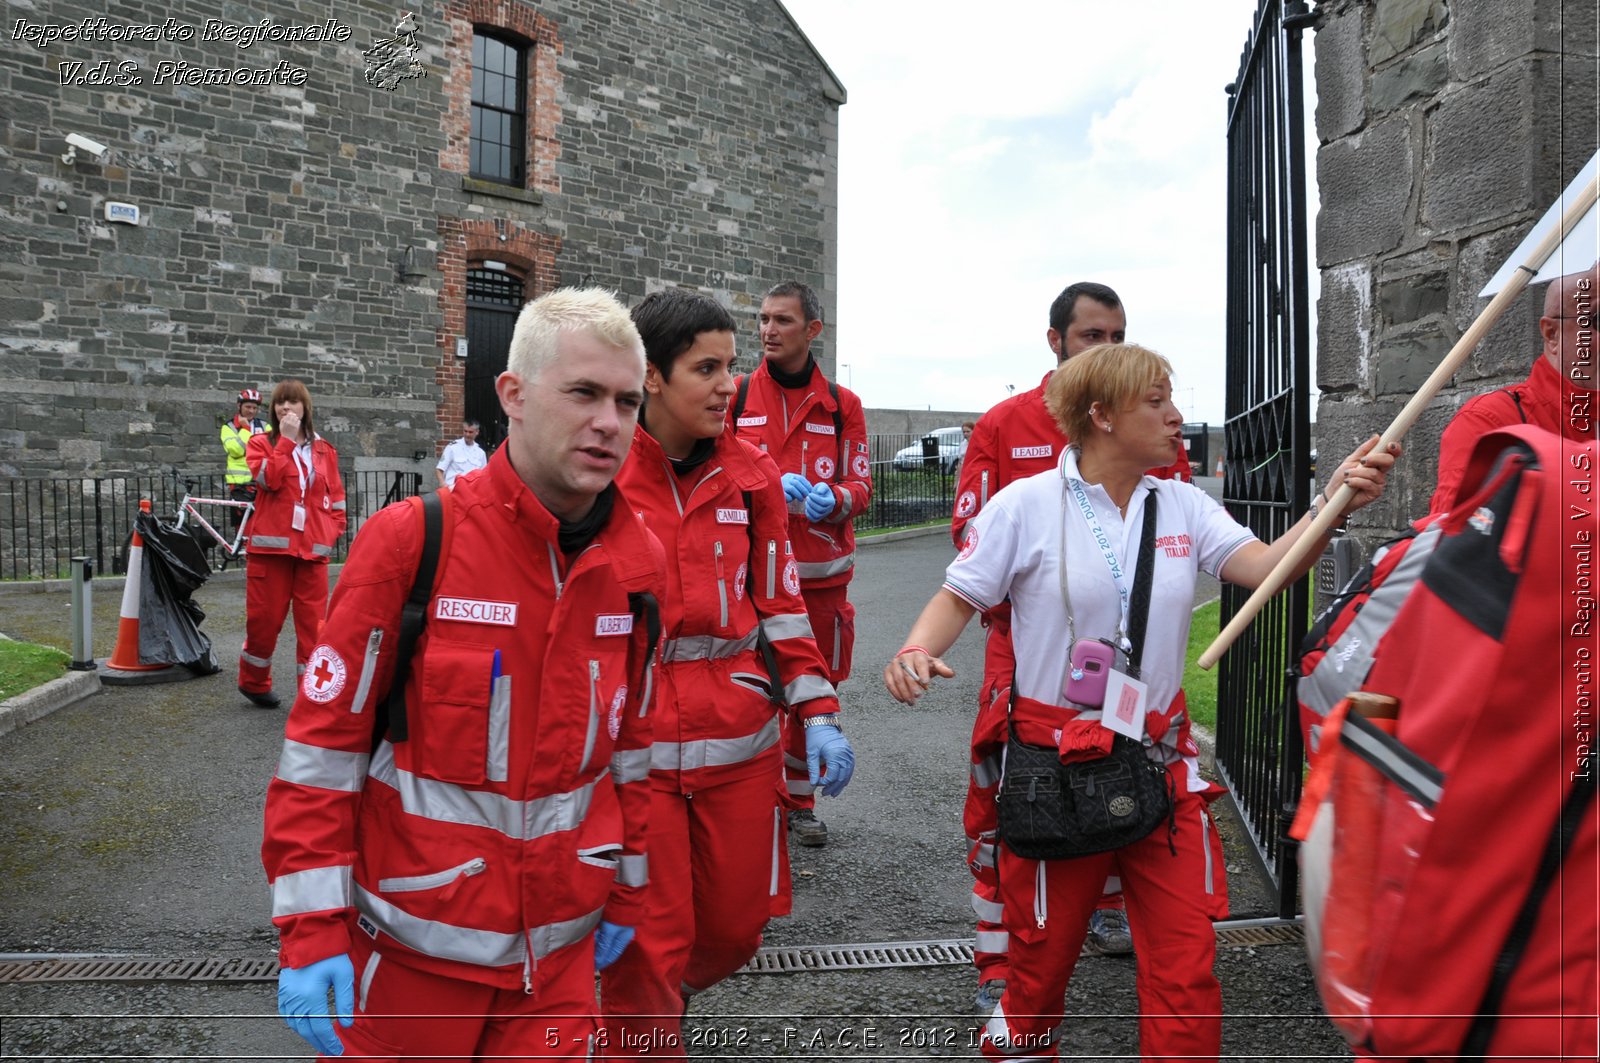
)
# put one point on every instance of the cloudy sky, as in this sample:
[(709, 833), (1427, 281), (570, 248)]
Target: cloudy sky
[(989, 156)]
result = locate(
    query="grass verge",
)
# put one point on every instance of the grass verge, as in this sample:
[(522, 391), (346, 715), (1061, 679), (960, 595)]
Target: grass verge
[(1200, 686), (24, 666)]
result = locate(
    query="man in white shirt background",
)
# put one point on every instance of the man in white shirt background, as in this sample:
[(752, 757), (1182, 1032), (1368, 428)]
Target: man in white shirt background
[(461, 456)]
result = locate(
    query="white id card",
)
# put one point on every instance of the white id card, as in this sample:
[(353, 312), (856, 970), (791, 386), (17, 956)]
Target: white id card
[(1123, 709), (299, 523)]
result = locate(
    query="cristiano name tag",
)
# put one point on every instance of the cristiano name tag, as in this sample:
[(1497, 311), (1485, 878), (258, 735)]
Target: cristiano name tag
[(613, 624), (820, 429), (472, 611)]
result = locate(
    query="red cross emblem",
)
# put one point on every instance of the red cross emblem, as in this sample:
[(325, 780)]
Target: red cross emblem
[(325, 675)]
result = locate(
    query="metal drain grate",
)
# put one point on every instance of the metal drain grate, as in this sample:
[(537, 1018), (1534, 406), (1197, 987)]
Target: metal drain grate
[(793, 960)]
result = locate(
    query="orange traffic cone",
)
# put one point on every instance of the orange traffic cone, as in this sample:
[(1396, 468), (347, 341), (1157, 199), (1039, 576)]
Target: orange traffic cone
[(125, 658), (1220, 470)]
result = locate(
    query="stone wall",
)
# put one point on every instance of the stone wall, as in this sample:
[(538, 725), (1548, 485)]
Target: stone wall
[(319, 226), (1446, 128)]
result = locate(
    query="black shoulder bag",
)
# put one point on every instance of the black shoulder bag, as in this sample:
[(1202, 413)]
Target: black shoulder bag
[(1054, 811)]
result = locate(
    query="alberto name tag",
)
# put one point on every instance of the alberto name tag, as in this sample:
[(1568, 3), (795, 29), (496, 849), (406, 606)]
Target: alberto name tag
[(1032, 452), (613, 624), (820, 429), (733, 516), (750, 422), (472, 611)]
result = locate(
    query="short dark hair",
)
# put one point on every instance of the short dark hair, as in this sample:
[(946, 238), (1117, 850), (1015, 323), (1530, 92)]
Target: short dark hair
[(471, 422), (669, 320), (810, 305), (1065, 306)]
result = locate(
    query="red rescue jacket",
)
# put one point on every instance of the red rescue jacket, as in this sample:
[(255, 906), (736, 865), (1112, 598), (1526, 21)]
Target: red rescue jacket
[(724, 527), (806, 432), (272, 531), (515, 813)]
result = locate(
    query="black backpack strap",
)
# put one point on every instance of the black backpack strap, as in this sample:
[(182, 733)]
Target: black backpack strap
[(769, 656), (647, 611), (413, 617), (1481, 1032), (1516, 397), (1139, 604), (738, 399)]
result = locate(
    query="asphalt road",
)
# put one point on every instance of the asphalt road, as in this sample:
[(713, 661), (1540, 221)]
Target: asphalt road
[(131, 824)]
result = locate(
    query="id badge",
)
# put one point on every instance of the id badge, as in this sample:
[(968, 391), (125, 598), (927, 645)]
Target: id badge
[(1123, 710), (299, 522)]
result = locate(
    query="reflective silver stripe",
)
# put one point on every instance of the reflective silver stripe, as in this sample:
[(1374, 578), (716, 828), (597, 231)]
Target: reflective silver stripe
[(449, 803), (299, 670), (259, 662), (992, 941), (838, 643), (985, 855), (846, 504), (338, 506), (807, 687), (633, 870), (983, 490), (318, 550), (630, 765), (499, 756), (706, 647), (987, 910), (794, 762), (819, 569), (713, 752), (486, 948), (786, 626), (1346, 664), (593, 730), (367, 972), (778, 838), (986, 772), (799, 787), (772, 568), (327, 769), (998, 1033), (369, 668), (317, 889), (270, 542), (1205, 843)]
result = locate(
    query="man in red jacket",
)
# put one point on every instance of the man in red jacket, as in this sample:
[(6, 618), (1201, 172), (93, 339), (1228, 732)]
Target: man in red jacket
[(1016, 438), (814, 429), (1558, 396), (479, 862)]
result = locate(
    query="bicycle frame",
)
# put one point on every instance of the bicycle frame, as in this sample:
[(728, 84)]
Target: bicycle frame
[(234, 548)]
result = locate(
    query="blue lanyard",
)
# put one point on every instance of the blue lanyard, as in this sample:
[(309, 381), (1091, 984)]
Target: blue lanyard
[(1103, 541)]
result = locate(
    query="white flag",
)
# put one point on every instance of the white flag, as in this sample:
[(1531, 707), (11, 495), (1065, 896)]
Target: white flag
[(1579, 251)]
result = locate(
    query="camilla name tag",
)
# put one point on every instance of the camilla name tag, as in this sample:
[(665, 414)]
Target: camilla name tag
[(733, 516)]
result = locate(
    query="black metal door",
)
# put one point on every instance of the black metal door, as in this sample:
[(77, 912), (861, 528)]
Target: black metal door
[(494, 298), (1267, 441)]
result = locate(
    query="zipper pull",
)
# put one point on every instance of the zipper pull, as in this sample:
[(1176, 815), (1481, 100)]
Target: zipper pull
[(719, 559)]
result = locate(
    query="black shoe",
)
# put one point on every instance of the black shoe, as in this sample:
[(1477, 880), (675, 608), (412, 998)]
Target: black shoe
[(807, 829), (267, 700)]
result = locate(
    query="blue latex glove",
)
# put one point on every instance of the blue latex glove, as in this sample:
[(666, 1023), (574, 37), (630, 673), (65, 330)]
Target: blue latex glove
[(303, 1000), (820, 502), (827, 746), (795, 487), (609, 941)]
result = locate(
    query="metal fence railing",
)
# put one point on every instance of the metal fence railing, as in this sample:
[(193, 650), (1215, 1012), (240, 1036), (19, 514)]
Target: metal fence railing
[(48, 521), (45, 522)]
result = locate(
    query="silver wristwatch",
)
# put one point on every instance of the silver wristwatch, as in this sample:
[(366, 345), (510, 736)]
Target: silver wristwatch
[(832, 720)]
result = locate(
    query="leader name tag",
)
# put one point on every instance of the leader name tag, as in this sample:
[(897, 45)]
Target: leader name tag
[(1123, 709)]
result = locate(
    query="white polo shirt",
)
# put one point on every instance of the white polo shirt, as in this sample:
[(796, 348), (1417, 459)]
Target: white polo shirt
[(461, 457), (1013, 549)]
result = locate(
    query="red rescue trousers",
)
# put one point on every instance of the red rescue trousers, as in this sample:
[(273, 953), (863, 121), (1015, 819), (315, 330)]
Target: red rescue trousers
[(715, 867), (1172, 899), (271, 583), (980, 816), (404, 1013)]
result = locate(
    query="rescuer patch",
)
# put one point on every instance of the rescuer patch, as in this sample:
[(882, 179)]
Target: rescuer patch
[(473, 611)]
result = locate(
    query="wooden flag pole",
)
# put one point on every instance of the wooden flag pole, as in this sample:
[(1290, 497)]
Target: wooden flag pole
[(1402, 423)]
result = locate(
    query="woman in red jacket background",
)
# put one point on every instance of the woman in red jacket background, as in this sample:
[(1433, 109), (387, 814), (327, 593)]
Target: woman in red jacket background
[(299, 516)]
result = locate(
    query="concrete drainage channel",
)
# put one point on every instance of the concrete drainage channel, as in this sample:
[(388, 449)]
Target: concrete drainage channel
[(25, 968)]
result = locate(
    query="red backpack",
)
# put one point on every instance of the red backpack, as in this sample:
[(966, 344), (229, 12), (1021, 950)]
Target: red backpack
[(1451, 864)]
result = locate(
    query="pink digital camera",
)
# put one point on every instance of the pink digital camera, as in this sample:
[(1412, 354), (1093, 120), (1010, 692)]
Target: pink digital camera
[(1090, 665)]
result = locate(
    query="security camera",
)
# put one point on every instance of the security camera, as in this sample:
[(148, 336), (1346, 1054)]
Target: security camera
[(93, 147)]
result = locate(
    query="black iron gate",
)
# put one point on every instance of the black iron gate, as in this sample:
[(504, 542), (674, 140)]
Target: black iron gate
[(494, 298), (1266, 437)]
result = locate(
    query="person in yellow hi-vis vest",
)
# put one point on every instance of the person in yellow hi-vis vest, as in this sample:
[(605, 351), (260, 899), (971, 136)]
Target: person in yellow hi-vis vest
[(236, 435)]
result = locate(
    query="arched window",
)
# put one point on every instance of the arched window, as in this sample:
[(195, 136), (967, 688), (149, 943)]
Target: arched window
[(499, 109)]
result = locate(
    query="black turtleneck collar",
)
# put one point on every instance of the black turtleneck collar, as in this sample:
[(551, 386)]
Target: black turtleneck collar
[(699, 454), (792, 381), (577, 534)]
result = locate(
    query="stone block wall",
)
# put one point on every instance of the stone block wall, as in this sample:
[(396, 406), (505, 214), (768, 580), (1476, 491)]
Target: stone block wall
[(1446, 128), (318, 226)]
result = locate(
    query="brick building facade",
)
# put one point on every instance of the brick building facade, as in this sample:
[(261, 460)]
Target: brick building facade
[(314, 205)]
